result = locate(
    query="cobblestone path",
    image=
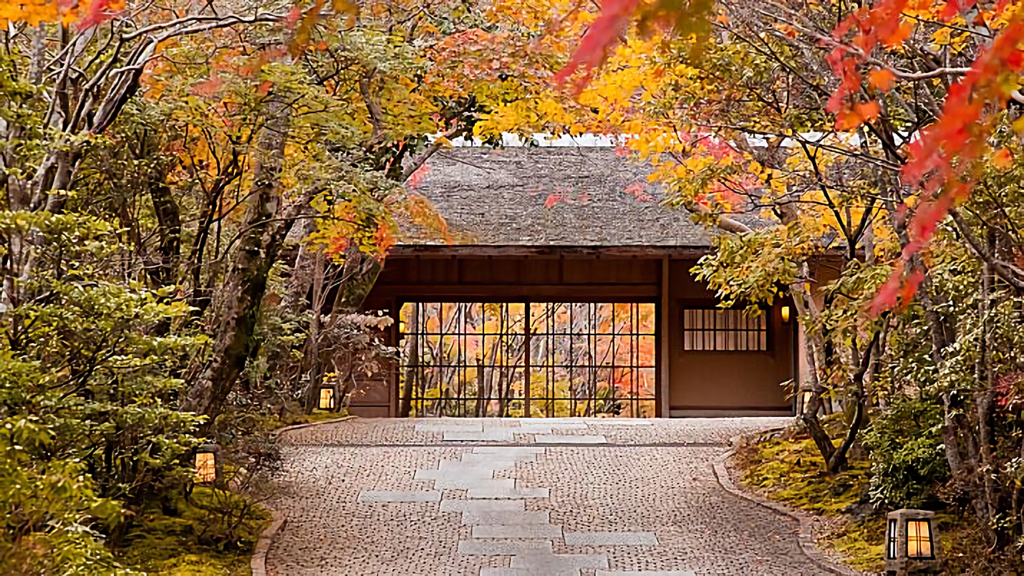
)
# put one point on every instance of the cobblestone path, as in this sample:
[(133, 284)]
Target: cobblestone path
[(580, 497)]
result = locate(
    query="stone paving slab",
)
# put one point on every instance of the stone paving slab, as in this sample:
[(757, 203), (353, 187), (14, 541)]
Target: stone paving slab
[(570, 439), (559, 562), (656, 478), (534, 430), (473, 436), (475, 472), (392, 431), (477, 506), (508, 450), (499, 456), (459, 465), (610, 539), (367, 496), (526, 572), (449, 426), (500, 548), (508, 493), (505, 517), (474, 484), (520, 531), (563, 424), (623, 573)]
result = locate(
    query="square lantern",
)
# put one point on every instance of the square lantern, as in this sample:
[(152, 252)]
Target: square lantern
[(326, 401), (911, 542), (803, 398), (207, 462)]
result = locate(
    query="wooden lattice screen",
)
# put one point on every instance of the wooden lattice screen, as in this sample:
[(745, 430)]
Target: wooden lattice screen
[(584, 359)]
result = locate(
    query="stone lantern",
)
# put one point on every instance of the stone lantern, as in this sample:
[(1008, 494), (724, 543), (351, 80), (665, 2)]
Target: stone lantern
[(911, 542), (803, 398), (207, 462), (326, 400)]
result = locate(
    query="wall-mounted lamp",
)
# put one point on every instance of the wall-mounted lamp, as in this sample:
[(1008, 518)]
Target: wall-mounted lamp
[(785, 314)]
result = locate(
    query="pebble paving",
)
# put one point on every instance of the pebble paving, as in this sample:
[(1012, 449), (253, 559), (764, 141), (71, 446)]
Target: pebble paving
[(487, 497)]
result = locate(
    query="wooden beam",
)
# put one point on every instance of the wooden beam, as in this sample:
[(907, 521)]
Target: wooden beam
[(534, 292), (485, 251)]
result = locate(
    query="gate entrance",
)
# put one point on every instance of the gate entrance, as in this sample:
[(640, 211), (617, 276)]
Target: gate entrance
[(527, 359)]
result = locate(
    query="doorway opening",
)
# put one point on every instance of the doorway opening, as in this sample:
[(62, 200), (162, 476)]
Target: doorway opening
[(527, 359)]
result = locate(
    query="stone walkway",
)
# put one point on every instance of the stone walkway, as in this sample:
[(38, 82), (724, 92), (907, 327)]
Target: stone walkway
[(472, 497)]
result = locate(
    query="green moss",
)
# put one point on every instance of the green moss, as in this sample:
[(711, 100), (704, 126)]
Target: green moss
[(212, 533), (862, 543), (792, 471), (300, 418)]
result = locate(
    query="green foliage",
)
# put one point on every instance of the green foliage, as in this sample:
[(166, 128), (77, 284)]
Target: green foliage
[(749, 268), (52, 507), (86, 399), (907, 460)]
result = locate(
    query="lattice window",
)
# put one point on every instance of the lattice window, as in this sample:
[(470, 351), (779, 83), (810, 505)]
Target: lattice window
[(536, 359), (919, 539), (592, 358), (731, 330), (892, 549)]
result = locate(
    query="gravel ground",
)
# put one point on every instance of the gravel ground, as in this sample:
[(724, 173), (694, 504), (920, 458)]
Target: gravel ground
[(633, 496)]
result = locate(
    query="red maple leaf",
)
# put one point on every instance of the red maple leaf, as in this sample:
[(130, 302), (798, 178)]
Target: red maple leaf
[(416, 178), (602, 35), (208, 87), (98, 12), (553, 199)]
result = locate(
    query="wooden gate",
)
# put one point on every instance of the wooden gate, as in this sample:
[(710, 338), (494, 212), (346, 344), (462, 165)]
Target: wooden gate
[(515, 359)]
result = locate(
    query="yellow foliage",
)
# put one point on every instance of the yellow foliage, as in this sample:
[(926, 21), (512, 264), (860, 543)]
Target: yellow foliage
[(32, 12)]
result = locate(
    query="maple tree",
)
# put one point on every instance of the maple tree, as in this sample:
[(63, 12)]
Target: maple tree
[(862, 159), (197, 199)]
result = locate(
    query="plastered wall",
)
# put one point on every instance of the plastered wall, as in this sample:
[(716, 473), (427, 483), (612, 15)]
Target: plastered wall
[(724, 381)]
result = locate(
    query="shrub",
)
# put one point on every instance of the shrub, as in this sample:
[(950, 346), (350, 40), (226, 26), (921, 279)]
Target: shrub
[(908, 464)]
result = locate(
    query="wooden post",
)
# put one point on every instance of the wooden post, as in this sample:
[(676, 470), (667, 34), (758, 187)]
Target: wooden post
[(664, 350), (526, 361), (480, 409)]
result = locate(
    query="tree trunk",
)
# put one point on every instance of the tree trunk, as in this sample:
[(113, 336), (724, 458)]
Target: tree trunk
[(805, 307), (168, 218), (313, 343), (413, 354), (838, 460), (263, 232)]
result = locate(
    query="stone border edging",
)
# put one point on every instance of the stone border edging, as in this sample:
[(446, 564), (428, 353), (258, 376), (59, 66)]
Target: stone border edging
[(805, 538), (259, 554), (277, 433)]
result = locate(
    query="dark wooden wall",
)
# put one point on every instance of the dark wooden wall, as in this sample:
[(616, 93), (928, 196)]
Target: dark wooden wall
[(532, 278)]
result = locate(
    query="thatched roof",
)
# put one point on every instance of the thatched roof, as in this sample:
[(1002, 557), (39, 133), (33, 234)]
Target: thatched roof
[(552, 196)]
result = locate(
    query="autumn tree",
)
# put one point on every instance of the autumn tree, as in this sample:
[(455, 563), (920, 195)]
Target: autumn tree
[(877, 140)]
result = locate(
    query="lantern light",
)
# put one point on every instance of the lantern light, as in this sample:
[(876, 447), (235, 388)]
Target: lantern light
[(326, 398), (206, 463), (911, 542), (785, 314)]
